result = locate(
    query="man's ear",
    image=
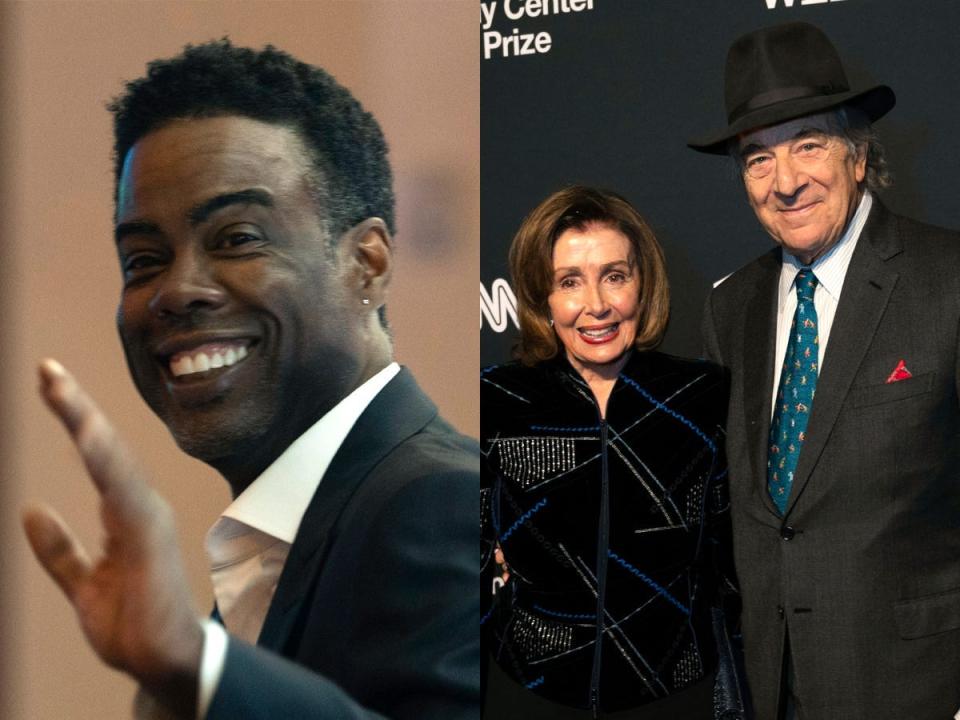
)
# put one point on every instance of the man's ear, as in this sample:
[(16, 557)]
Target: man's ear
[(860, 162), (368, 252)]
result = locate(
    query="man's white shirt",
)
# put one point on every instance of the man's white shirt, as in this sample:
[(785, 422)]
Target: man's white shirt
[(249, 543), (831, 270)]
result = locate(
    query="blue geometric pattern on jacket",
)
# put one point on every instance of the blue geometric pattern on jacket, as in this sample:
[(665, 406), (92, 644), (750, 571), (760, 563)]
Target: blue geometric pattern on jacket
[(544, 449)]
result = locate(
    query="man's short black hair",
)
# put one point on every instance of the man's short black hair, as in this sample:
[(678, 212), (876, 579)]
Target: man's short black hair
[(216, 78)]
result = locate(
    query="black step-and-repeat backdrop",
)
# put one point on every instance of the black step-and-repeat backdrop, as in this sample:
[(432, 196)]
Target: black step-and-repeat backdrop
[(607, 92)]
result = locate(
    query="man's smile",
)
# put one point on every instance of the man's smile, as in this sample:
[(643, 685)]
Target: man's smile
[(209, 356), (799, 210), (198, 368)]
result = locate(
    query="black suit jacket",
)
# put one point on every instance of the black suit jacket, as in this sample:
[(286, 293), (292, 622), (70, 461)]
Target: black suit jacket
[(375, 614), (863, 571)]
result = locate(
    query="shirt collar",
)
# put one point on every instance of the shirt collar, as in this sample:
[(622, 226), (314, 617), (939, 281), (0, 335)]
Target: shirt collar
[(831, 267), (276, 501)]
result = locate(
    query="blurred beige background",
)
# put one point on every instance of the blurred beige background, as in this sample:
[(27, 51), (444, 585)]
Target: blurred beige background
[(413, 63)]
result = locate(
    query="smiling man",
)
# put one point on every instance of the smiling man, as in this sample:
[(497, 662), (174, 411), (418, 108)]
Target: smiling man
[(843, 434), (253, 227)]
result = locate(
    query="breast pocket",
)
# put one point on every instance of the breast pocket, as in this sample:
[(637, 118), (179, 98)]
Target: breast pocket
[(928, 615), (866, 395)]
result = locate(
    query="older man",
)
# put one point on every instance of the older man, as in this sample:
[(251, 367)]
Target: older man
[(844, 424), (253, 226)]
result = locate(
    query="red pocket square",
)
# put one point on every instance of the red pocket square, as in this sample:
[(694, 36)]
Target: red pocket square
[(900, 372)]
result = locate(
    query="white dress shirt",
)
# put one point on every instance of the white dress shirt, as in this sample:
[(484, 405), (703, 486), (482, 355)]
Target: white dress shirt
[(831, 270), (249, 543)]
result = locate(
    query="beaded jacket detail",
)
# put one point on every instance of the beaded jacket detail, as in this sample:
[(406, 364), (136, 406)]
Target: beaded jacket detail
[(614, 528)]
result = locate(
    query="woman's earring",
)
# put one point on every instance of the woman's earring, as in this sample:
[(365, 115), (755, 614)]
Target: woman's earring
[(365, 301), (551, 322)]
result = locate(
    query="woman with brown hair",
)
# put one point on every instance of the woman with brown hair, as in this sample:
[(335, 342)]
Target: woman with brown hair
[(604, 516)]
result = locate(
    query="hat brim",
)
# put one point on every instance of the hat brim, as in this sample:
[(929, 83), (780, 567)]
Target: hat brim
[(874, 102)]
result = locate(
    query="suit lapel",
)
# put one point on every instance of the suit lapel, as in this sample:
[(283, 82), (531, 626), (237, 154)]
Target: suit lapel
[(397, 412), (866, 292), (759, 348)]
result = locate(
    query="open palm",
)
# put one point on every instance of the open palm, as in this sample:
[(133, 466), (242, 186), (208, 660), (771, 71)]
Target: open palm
[(133, 602)]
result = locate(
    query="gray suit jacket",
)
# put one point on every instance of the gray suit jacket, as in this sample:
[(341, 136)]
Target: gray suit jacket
[(863, 571)]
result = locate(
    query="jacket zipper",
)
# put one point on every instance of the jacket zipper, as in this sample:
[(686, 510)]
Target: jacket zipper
[(603, 542)]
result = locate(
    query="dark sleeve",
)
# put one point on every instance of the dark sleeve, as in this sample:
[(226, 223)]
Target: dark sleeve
[(260, 685), (957, 361), (488, 567), (413, 650), (708, 333), (489, 570), (720, 533), (729, 686)]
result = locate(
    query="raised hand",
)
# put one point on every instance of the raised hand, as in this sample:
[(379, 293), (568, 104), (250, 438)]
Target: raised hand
[(133, 602)]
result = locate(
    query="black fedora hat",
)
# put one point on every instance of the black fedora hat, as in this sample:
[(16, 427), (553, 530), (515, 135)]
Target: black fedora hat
[(784, 72)]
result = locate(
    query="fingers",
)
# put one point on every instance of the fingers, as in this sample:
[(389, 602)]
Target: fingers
[(111, 466), (87, 425), (56, 548), (57, 387), (501, 562)]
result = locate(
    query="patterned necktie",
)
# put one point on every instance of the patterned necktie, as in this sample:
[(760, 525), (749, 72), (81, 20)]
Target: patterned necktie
[(798, 383)]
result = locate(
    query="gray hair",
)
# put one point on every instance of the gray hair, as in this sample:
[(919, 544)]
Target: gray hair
[(856, 131)]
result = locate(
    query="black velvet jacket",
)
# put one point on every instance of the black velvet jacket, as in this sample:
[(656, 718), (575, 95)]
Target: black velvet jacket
[(614, 528)]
